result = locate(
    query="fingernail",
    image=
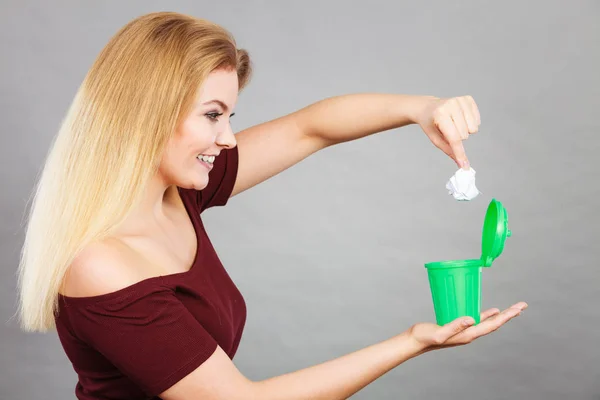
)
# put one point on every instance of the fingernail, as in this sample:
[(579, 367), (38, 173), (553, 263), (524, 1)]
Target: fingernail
[(467, 321), (464, 164)]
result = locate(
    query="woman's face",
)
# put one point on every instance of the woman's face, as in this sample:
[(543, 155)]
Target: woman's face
[(203, 133)]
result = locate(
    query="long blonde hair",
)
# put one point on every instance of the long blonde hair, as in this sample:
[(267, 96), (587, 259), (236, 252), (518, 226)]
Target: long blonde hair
[(111, 141)]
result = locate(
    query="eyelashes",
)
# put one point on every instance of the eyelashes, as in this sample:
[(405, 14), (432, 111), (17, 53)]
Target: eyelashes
[(214, 116)]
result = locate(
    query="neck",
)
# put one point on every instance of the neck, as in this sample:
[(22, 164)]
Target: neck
[(151, 208)]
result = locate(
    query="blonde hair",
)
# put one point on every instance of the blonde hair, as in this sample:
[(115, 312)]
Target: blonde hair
[(111, 141)]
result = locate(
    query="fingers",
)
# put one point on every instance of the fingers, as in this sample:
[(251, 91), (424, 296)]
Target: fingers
[(470, 113), (460, 156), (457, 114), (452, 329), (456, 119), (492, 324), (449, 131), (492, 321), (488, 313), (461, 331), (474, 110)]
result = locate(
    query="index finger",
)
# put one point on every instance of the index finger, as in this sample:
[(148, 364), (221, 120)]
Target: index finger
[(450, 134), (459, 154)]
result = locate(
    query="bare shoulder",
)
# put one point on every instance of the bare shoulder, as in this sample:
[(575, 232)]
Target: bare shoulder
[(102, 267)]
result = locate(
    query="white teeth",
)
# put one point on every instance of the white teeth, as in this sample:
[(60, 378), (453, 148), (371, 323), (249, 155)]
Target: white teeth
[(208, 159)]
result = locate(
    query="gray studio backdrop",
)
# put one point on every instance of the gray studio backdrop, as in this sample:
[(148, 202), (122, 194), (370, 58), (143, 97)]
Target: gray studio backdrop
[(330, 253)]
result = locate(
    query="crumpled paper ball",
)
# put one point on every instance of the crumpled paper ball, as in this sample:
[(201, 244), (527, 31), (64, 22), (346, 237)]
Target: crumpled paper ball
[(461, 185)]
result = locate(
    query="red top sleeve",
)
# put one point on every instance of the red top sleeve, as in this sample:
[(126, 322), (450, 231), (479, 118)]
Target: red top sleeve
[(149, 335)]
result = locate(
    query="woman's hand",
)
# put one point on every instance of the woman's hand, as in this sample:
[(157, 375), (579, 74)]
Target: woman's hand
[(461, 331), (447, 122)]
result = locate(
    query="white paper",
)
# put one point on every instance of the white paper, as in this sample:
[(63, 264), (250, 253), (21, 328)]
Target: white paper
[(462, 185)]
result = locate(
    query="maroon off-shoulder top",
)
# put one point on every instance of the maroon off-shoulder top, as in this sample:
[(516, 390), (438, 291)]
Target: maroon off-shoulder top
[(138, 341)]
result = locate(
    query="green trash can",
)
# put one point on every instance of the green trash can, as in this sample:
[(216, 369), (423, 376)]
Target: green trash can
[(456, 284)]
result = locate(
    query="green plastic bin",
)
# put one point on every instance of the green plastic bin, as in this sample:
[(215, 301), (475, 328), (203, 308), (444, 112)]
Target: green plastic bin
[(456, 284)]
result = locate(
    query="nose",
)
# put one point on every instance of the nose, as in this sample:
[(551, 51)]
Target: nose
[(226, 138)]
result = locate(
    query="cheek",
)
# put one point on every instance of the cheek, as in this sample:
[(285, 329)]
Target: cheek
[(182, 142), (175, 154), (198, 133), (168, 163)]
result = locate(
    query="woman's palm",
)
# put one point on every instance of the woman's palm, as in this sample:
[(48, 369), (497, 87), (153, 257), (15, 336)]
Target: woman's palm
[(461, 331)]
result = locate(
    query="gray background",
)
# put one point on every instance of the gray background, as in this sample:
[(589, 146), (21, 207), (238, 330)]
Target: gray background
[(330, 254)]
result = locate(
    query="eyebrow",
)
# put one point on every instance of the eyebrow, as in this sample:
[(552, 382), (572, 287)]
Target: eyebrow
[(216, 101)]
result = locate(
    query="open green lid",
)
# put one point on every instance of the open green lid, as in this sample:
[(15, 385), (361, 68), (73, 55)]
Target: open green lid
[(495, 232)]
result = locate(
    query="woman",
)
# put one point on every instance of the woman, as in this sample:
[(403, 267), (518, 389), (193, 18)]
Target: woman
[(116, 257)]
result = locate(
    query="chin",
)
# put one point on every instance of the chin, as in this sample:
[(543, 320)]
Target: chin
[(196, 182), (189, 179)]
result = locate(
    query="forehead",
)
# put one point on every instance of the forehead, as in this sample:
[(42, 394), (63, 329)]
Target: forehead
[(220, 85)]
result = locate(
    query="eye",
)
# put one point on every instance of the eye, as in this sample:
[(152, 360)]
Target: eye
[(213, 116)]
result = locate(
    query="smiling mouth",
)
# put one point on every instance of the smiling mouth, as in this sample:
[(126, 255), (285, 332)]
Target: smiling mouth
[(207, 159)]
